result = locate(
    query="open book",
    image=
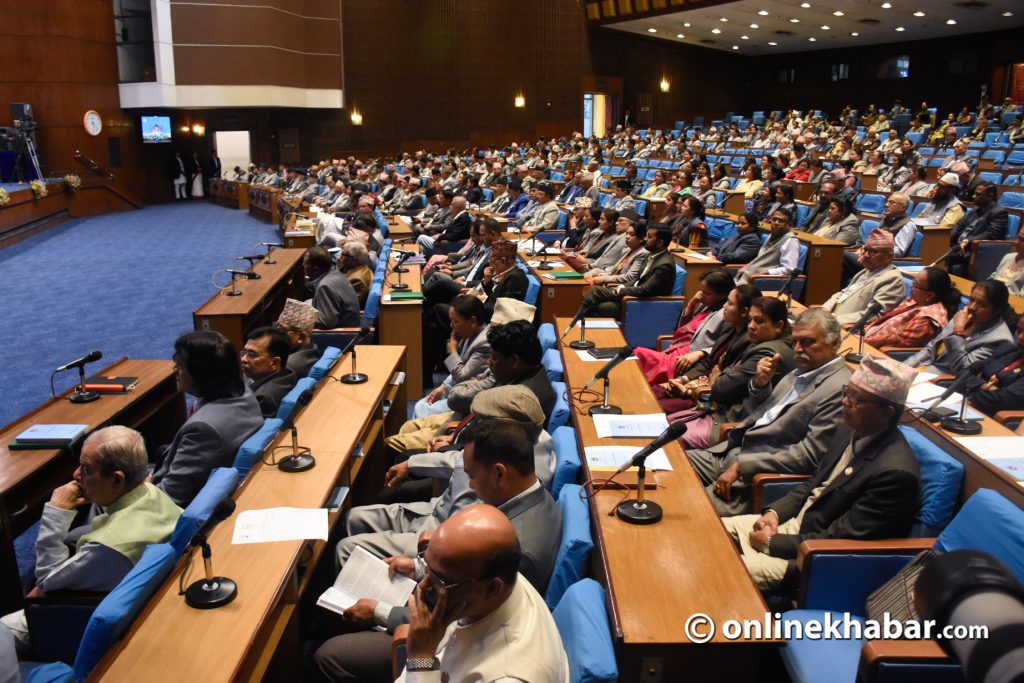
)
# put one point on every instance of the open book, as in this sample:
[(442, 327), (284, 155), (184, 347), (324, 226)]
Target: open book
[(365, 576)]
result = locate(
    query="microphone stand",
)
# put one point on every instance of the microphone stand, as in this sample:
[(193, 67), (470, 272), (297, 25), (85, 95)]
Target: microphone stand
[(856, 358), (582, 344), (301, 458), (80, 394), (959, 424), (399, 268), (400, 286), (605, 408), (213, 591), (253, 275), (267, 258), (544, 265), (353, 377), (233, 292), (639, 510)]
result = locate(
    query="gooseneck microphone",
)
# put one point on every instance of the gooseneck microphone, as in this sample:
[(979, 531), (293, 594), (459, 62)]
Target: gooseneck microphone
[(581, 344), (671, 433), (80, 395), (606, 408), (87, 358), (858, 328), (211, 591), (301, 457), (355, 377), (639, 510)]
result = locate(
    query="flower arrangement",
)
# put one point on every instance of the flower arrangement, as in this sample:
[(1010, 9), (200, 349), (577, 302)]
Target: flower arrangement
[(4, 197), (72, 182), (38, 188)]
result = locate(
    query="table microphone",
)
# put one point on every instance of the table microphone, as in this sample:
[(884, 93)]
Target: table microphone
[(252, 275), (211, 591), (671, 433), (80, 395), (270, 247), (246, 274), (858, 328), (301, 458), (624, 353), (355, 377), (958, 425), (639, 510), (90, 357)]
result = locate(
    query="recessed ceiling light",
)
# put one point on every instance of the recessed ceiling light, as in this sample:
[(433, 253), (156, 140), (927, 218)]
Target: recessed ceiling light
[(652, 30), (744, 37), (838, 13), (918, 13), (805, 5), (1007, 14), (886, 5), (854, 34), (794, 21), (900, 29), (772, 43), (951, 22), (735, 47), (723, 19), (813, 39), (754, 26), (680, 35), (716, 30), (686, 25), (763, 13), (825, 27)]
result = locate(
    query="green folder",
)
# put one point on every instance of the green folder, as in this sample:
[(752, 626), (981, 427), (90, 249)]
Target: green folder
[(406, 296), (567, 275)]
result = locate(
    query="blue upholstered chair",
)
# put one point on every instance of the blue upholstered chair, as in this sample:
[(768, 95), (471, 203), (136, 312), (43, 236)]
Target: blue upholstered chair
[(220, 485), (253, 447), (548, 337), (575, 546), (552, 362), (870, 203), (644, 320), (842, 579), (582, 620), (532, 289), (560, 414), (327, 359), (288, 402), (567, 459)]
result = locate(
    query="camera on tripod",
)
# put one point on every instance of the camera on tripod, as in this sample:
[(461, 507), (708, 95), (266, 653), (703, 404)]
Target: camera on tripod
[(22, 139)]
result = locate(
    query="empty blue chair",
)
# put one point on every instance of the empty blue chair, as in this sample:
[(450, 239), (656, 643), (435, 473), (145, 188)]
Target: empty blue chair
[(1012, 200), (322, 366), (547, 335), (575, 545), (680, 282), (720, 229), (560, 414), (870, 203), (219, 486), (991, 177), (802, 212), (1012, 226), (552, 362), (488, 194), (1016, 158), (990, 138), (582, 620), (289, 400), (866, 226), (641, 207), (532, 289), (253, 447), (996, 155), (645, 320), (567, 459)]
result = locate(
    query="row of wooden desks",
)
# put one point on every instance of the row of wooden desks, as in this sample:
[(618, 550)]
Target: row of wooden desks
[(156, 407), (260, 301), (400, 321), (263, 203), (659, 575), (233, 194), (173, 642)]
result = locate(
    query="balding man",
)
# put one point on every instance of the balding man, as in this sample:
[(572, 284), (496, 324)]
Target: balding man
[(878, 282), (111, 474), (354, 259), (454, 229)]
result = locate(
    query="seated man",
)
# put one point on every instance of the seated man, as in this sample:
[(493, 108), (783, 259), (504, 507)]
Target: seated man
[(786, 429), (353, 259), (656, 279), (111, 473), (498, 462), (226, 413), (297, 320), (780, 253), (486, 624), (448, 280), (333, 295), (393, 530), (988, 221), (943, 208), (547, 214), (878, 282), (454, 228), (265, 367), (866, 487)]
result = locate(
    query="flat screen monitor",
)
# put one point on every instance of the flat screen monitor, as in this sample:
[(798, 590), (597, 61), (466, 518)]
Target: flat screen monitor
[(156, 129)]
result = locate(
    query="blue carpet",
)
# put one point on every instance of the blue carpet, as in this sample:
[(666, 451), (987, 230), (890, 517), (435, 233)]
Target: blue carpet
[(124, 283)]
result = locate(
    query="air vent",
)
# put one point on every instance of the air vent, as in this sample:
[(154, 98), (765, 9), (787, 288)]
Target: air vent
[(784, 33), (971, 4), (869, 22)]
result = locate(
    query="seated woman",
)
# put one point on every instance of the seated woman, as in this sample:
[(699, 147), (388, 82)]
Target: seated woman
[(582, 221), (972, 334), (724, 401), (751, 182), (744, 245), (226, 413), (783, 199), (1010, 270), (1000, 384), (840, 224), (629, 266), (595, 242), (468, 352), (671, 212), (762, 203), (875, 164), (894, 176), (720, 177), (932, 302), (802, 171), (690, 230), (699, 327)]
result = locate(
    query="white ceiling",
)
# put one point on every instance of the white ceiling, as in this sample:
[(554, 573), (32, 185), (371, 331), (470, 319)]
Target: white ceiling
[(971, 16)]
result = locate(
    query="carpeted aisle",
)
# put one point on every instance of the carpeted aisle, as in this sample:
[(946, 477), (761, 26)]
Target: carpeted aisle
[(125, 284)]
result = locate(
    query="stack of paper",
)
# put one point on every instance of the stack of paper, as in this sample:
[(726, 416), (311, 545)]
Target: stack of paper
[(280, 524), (44, 436)]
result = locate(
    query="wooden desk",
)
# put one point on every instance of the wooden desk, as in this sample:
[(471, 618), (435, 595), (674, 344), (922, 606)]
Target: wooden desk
[(657, 576), (935, 242), (695, 267), (401, 323), (964, 286), (260, 302), (398, 228), (558, 298), (298, 238), (156, 407), (173, 642), (734, 203), (263, 204), (233, 194), (824, 267)]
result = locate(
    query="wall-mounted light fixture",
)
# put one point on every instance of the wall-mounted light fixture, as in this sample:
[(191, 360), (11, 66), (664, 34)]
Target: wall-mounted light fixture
[(357, 118), (199, 129), (664, 85), (185, 129), (520, 101)]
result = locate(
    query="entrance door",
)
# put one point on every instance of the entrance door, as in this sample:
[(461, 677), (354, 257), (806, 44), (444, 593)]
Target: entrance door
[(233, 150)]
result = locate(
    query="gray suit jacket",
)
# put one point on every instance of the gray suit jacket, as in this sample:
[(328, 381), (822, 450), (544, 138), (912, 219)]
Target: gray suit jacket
[(209, 438), (538, 524), (884, 286), (960, 352), (271, 389), (302, 359), (470, 360), (336, 300)]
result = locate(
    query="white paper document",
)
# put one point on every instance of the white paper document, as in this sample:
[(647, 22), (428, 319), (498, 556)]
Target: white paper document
[(921, 396), (924, 376), (600, 324), (1005, 452), (405, 219), (630, 426), (699, 255), (585, 355), (365, 576), (280, 524), (613, 457)]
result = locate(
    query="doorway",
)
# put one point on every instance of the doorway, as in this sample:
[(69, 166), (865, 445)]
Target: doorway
[(233, 150)]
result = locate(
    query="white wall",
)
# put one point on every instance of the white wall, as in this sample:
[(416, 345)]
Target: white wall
[(233, 150)]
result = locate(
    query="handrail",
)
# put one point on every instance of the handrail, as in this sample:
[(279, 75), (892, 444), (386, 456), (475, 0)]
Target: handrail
[(93, 166)]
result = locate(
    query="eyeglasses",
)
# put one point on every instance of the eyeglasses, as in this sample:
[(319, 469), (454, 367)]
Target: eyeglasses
[(437, 580), (914, 285)]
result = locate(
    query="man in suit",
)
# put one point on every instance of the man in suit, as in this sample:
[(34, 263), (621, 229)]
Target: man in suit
[(656, 279), (988, 221), (819, 214), (265, 367), (354, 259), (333, 295), (865, 487), (454, 229), (878, 282), (297, 320), (501, 278), (786, 429), (547, 213)]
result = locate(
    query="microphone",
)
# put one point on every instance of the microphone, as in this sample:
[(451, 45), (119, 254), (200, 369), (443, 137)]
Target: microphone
[(580, 314), (955, 247), (957, 384), (241, 273), (87, 358), (355, 377), (211, 591), (624, 353), (301, 458), (873, 310), (250, 259), (221, 512), (272, 245), (671, 433), (252, 275), (788, 286)]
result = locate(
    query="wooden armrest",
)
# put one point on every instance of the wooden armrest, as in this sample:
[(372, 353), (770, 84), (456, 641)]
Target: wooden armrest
[(908, 651), (896, 546), (1005, 416), (451, 427), (398, 640), (943, 378), (724, 430), (769, 477)]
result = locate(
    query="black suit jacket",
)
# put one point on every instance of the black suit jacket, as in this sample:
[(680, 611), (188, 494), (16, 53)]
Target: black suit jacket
[(458, 229), (658, 280), (512, 286), (738, 248), (1010, 394), (988, 223), (876, 496), (271, 389)]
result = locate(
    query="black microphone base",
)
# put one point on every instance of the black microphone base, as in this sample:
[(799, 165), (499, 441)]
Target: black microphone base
[(635, 512), (254, 276), (296, 463), (400, 286), (855, 358), (958, 426), (269, 261), (83, 397), (545, 265), (233, 292), (604, 410), (218, 593), (400, 269), (582, 345), (353, 378)]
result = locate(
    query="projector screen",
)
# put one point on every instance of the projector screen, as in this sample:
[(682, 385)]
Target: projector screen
[(156, 129)]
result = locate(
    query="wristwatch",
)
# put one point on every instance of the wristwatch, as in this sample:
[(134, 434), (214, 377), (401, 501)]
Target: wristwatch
[(422, 664), (767, 546)]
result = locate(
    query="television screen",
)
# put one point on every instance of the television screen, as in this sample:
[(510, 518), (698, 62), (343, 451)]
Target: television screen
[(156, 129)]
